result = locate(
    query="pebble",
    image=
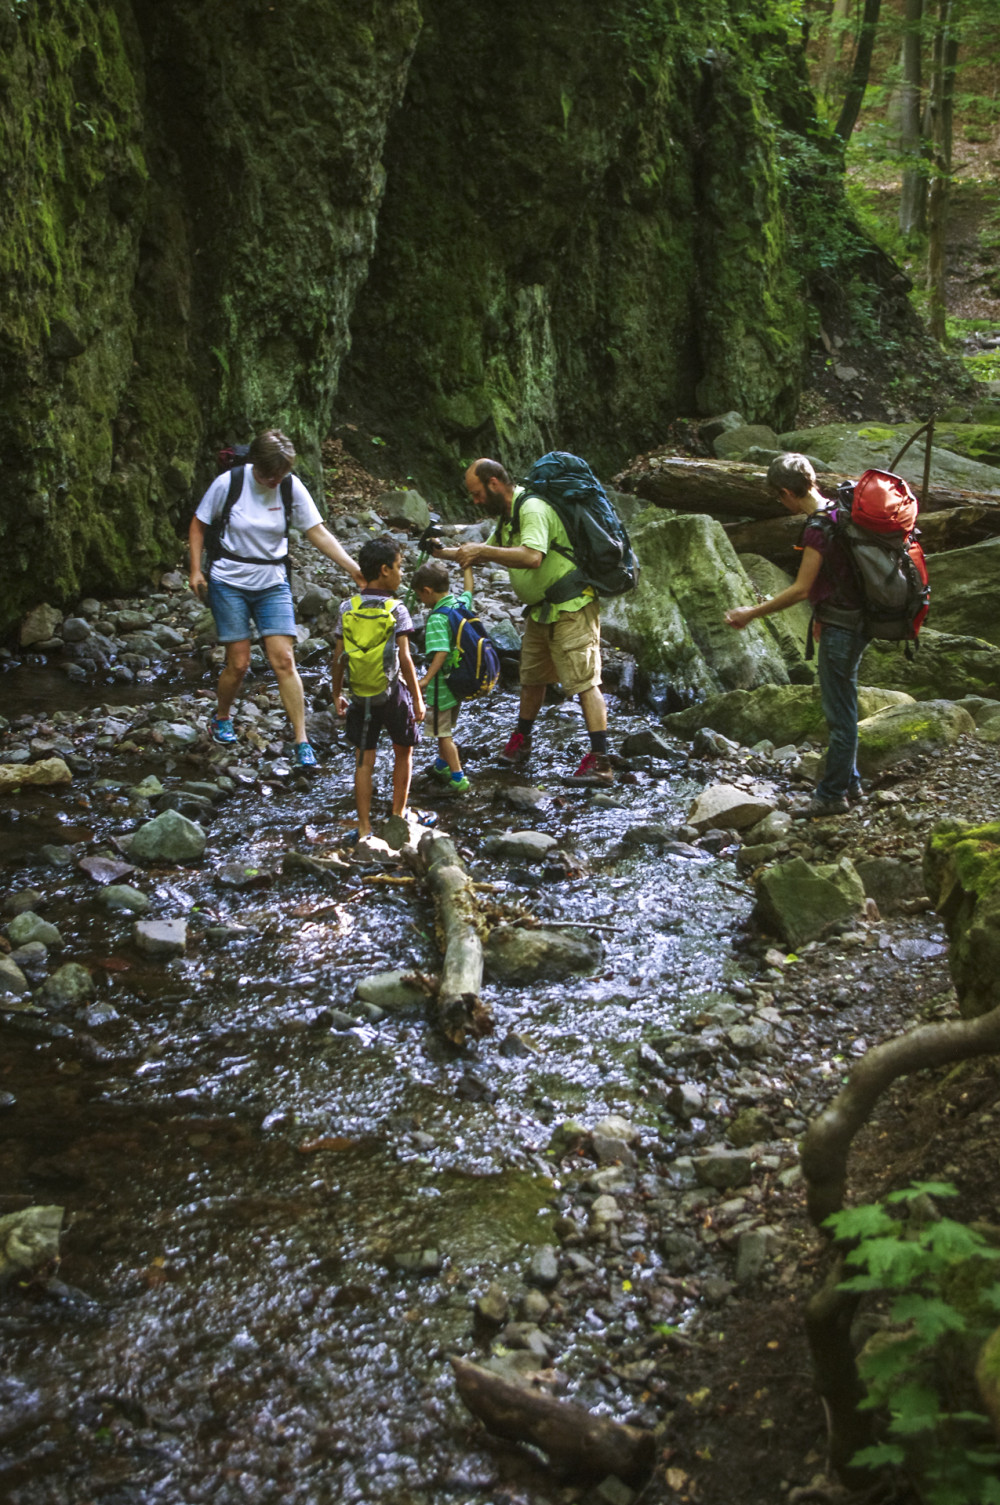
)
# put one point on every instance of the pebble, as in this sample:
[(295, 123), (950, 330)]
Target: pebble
[(543, 1271)]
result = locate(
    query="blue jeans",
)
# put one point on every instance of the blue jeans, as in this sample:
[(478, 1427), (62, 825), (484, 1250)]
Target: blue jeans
[(840, 653)]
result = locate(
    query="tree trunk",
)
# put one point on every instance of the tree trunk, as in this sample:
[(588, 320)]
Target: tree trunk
[(830, 66), (731, 490), (460, 1009), (859, 72), (913, 199), (942, 104)]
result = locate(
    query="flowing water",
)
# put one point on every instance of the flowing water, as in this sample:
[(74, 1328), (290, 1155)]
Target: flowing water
[(228, 1322)]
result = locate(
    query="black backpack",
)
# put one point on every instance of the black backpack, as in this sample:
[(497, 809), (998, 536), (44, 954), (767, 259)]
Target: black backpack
[(599, 544), (214, 547)]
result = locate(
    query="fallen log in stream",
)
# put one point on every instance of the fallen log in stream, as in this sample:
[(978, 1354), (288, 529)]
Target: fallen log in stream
[(584, 1446), (729, 489), (460, 1009)]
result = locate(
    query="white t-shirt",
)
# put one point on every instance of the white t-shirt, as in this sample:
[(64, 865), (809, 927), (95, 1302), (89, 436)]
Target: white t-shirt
[(256, 527)]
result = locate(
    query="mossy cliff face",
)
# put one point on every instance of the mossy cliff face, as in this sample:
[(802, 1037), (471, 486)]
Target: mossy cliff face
[(191, 197), (962, 874), (582, 235), (559, 225)]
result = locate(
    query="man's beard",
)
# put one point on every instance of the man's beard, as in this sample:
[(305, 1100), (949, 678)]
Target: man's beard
[(494, 505)]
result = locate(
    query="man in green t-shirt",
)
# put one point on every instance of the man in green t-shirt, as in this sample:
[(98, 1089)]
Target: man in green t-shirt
[(562, 641)]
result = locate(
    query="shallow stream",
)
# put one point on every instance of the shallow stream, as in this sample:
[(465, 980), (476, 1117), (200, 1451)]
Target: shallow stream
[(241, 1181)]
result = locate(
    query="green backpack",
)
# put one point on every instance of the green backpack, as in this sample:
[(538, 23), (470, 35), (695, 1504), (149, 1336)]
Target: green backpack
[(369, 630)]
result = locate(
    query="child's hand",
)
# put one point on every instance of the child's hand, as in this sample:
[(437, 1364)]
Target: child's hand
[(341, 705), (419, 710), (422, 683)]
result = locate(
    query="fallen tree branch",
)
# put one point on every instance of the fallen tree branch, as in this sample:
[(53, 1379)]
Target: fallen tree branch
[(460, 1009), (583, 1445)]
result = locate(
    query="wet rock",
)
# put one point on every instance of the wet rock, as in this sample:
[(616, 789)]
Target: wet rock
[(516, 954), (685, 1101), (27, 927), (176, 734), (46, 771), (523, 798), (647, 744), (644, 834), (533, 1307), (567, 1137), (404, 507), (493, 1305), (57, 856), (543, 1271), (160, 939), (196, 807), (24, 898), (105, 869), (752, 1039), (526, 1335), (750, 1126), (120, 896), (33, 960), (774, 827), (723, 1168), (756, 1248), (392, 991), (171, 837), (520, 846), (724, 807), (13, 983), (76, 630), (416, 1262), (800, 904), (28, 1240), (69, 987), (39, 625), (148, 789), (604, 1211)]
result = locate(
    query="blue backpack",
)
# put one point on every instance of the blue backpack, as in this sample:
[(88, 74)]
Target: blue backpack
[(476, 662), (599, 544)]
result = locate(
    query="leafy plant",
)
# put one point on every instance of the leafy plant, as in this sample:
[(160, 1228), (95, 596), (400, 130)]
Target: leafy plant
[(943, 1304)]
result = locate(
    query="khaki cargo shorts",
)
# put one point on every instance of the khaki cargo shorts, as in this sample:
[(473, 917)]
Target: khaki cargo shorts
[(566, 651), (440, 722)]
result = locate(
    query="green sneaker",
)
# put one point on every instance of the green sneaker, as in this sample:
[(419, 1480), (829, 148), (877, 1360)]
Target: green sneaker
[(444, 774), (459, 785)]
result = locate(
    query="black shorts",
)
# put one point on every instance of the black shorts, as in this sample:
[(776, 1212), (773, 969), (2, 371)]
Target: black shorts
[(394, 714)]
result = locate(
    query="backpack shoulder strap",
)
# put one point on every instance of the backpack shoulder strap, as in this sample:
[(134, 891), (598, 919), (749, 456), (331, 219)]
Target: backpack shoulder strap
[(232, 496), (286, 498)]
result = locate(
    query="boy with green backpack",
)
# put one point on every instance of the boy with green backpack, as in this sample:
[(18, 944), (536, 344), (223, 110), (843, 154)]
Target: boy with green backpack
[(373, 645)]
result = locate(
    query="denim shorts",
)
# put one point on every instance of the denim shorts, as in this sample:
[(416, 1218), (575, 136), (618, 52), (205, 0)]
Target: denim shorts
[(272, 611)]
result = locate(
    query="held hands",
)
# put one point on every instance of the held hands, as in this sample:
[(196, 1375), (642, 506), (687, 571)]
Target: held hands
[(469, 553)]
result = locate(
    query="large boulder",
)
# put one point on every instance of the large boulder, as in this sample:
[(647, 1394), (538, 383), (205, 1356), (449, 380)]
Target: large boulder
[(800, 903), (45, 771), (673, 623), (899, 731), (945, 667), (723, 807), (850, 449), (790, 629), (965, 587), (779, 713), (962, 877)]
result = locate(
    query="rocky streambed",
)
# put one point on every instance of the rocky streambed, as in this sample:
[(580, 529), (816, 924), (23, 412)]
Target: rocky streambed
[(288, 1201)]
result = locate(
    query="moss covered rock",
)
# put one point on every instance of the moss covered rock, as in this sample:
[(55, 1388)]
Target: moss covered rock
[(790, 628), (674, 621), (852, 448), (779, 713), (945, 666), (800, 903), (965, 588), (962, 876), (900, 731)]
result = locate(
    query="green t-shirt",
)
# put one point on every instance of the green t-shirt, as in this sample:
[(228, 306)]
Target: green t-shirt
[(539, 527), (438, 639)]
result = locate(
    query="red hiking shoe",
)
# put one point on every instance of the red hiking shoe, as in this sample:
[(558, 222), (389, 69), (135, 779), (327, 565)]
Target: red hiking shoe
[(595, 772), (518, 749)]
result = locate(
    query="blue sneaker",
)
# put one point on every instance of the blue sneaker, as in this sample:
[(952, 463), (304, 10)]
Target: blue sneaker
[(304, 756), (221, 731)]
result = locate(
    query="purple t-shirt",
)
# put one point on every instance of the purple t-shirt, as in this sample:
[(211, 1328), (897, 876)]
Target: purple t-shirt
[(835, 578)]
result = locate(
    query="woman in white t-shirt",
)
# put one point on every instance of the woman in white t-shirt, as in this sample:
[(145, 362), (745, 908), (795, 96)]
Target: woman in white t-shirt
[(248, 581)]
